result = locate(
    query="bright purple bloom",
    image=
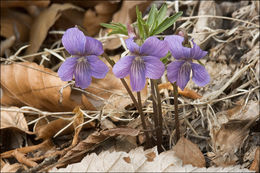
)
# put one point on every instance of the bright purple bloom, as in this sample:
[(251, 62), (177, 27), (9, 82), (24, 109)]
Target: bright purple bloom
[(84, 62), (179, 71), (143, 62)]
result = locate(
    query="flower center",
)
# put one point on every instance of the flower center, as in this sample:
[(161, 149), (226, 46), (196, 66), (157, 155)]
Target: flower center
[(138, 65), (81, 60), (138, 59)]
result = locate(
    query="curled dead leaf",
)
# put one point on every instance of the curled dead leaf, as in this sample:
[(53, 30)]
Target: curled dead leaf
[(43, 22), (103, 13), (186, 92), (189, 153), (14, 23), (255, 166), (15, 120)]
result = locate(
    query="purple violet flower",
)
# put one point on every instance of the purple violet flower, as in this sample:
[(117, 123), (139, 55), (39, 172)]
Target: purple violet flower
[(179, 71), (84, 62), (143, 62)]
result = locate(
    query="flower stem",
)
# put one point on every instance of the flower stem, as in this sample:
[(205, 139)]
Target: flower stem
[(177, 124), (112, 63), (148, 140), (138, 104), (157, 109)]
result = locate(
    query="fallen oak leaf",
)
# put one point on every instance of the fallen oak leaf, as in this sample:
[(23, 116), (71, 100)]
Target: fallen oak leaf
[(186, 92)]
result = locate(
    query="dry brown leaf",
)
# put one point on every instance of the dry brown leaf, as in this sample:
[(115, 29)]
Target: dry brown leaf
[(227, 140), (189, 153), (93, 140), (45, 145), (103, 13), (19, 3), (11, 168), (255, 166), (186, 92), (13, 120), (78, 120), (22, 159), (229, 135), (206, 8), (49, 130), (14, 23), (136, 161), (126, 14), (6, 44), (43, 22), (35, 86)]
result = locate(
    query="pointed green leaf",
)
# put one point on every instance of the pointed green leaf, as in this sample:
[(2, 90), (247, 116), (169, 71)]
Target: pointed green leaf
[(161, 13), (152, 14), (166, 23)]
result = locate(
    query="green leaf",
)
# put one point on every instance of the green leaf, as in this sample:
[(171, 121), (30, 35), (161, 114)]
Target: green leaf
[(117, 28), (165, 59), (152, 14), (143, 30), (106, 25), (166, 23), (161, 13)]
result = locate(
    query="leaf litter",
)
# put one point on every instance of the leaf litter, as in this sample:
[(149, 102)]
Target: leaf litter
[(220, 121)]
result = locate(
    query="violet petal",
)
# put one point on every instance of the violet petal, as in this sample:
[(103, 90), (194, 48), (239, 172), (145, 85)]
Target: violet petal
[(173, 70), (154, 68), (132, 46), (177, 50), (122, 68), (98, 68), (83, 74), (74, 41), (137, 75), (184, 75), (93, 46), (67, 69), (199, 74), (196, 52), (154, 47)]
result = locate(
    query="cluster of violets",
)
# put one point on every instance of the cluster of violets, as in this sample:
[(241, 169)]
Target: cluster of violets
[(142, 62)]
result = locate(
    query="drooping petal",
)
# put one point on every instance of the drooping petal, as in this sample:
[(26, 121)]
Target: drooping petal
[(137, 75), (173, 70), (196, 52), (154, 47), (132, 46), (177, 50), (122, 68), (83, 74), (67, 69), (184, 75), (154, 68), (74, 41), (98, 68), (199, 74), (93, 46)]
